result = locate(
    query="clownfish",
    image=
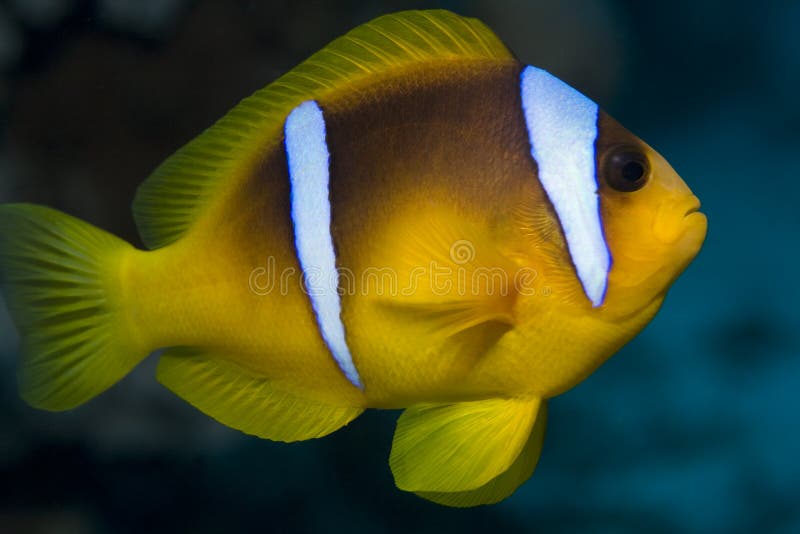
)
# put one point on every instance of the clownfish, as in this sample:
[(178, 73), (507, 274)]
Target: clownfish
[(411, 218)]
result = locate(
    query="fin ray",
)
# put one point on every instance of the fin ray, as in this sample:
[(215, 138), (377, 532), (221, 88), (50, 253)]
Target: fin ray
[(242, 400), (180, 190), (459, 447), (480, 287), (504, 484), (61, 282)]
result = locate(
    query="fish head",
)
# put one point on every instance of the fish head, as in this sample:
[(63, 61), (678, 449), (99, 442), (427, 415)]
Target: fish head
[(651, 219)]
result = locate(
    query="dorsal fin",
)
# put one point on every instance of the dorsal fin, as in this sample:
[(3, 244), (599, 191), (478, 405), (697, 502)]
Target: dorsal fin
[(174, 196)]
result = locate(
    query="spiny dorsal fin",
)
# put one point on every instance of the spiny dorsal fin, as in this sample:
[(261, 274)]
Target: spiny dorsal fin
[(175, 195)]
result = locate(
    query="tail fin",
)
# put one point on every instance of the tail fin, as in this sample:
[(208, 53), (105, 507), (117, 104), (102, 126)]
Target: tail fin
[(61, 278)]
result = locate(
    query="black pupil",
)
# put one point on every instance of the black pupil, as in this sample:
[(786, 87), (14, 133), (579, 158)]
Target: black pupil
[(632, 171)]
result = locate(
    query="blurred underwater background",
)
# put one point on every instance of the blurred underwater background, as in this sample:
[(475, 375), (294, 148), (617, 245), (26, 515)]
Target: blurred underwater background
[(692, 427)]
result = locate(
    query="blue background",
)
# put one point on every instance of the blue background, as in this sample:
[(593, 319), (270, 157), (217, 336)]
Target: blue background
[(693, 426)]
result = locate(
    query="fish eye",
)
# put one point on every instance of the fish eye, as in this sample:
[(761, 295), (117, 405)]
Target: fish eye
[(626, 169)]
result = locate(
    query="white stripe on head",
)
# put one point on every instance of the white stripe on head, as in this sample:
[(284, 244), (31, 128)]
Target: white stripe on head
[(562, 128), (307, 155)]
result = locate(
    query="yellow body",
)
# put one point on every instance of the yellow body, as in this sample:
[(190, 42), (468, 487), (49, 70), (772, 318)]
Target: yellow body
[(458, 294), (211, 288), (203, 291)]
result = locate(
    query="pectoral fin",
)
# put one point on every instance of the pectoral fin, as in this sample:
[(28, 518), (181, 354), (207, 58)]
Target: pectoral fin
[(466, 448), (456, 276)]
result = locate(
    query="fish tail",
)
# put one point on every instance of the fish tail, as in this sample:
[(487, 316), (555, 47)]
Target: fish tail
[(62, 282)]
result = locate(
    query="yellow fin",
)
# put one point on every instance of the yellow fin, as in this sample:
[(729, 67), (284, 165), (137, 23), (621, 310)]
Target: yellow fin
[(179, 190), (458, 279), (239, 399), (505, 484), (61, 280), (459, 447)]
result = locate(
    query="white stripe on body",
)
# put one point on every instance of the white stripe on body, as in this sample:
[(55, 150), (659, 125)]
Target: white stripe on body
[(309, 176), (562, 128)]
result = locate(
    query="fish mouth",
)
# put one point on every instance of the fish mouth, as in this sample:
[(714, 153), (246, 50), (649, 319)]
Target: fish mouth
[(694, 207), (674, 221), (695, 226)]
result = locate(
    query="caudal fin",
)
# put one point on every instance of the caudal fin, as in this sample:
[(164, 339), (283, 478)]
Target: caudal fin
[(61, 281)]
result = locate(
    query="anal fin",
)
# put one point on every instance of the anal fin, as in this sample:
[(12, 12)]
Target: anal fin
[(239, 399)]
